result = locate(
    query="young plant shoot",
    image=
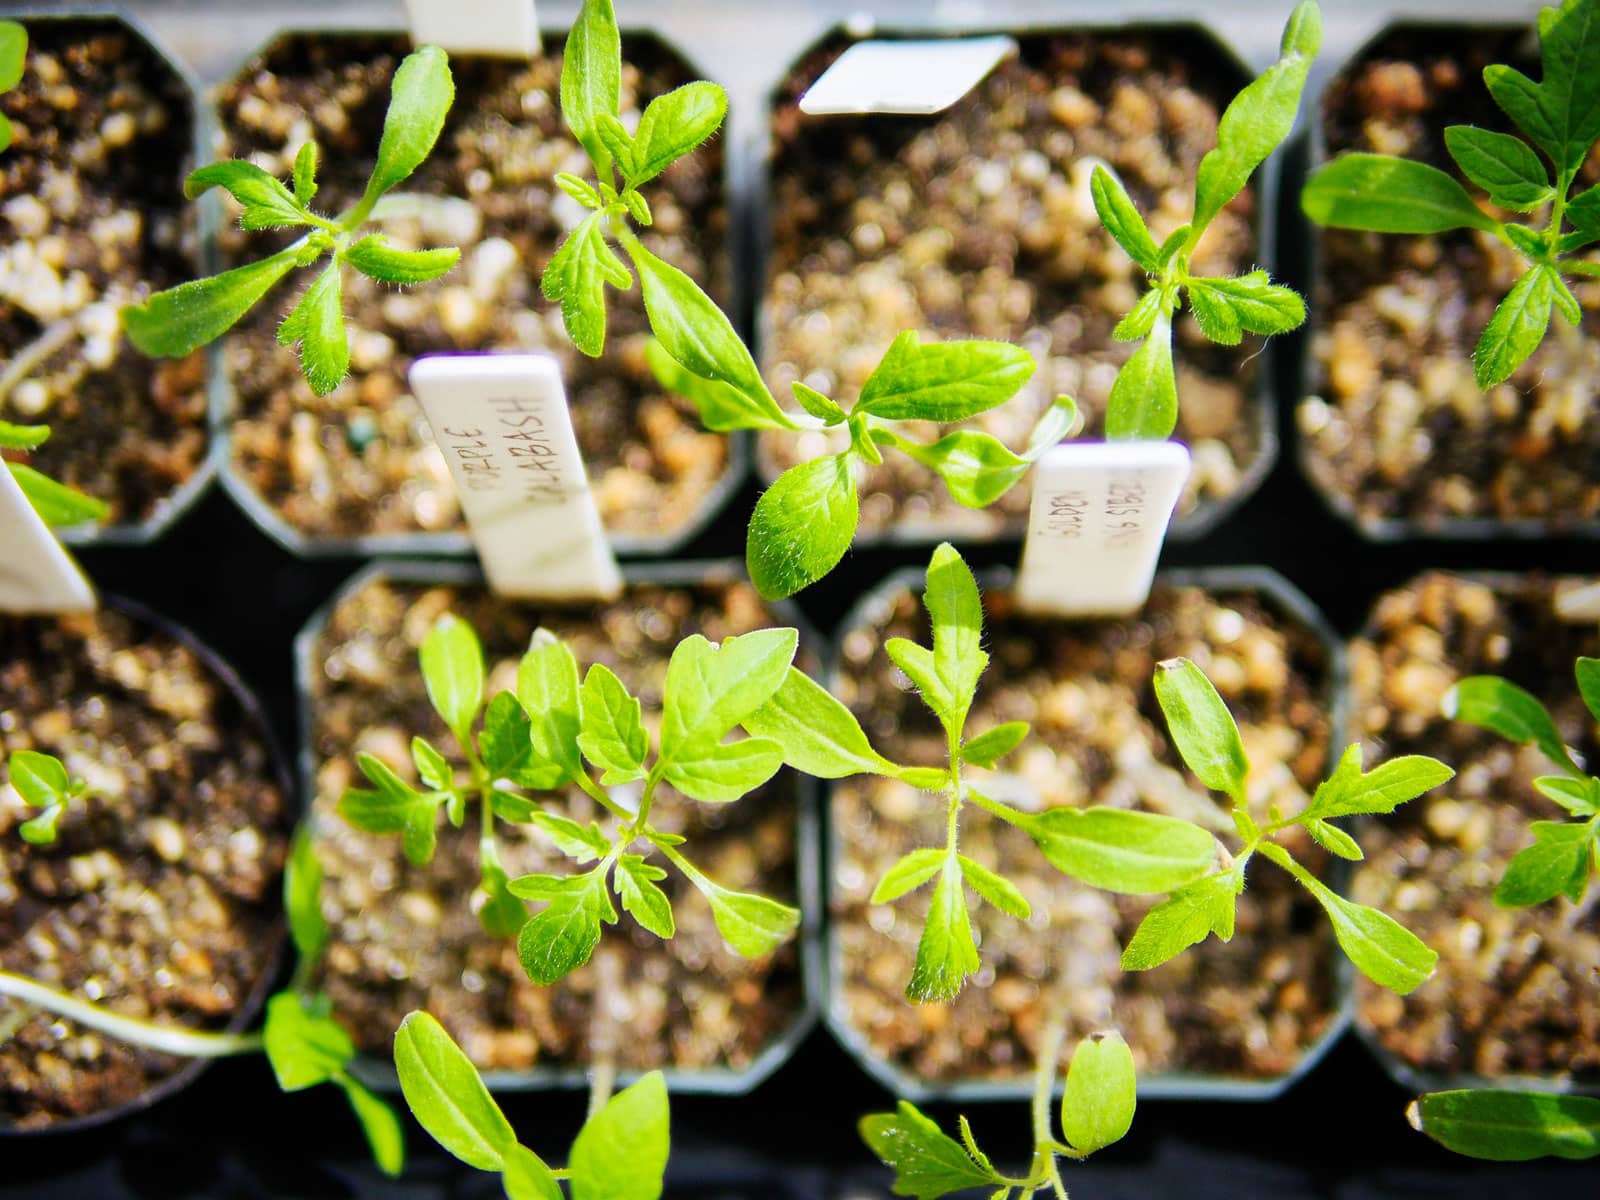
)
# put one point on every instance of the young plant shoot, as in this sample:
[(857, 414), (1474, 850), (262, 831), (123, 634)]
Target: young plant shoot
[(1109, 848), (301, 1040), (1558, 116), (805, 522), (547, 736), (619, 1154), (1097, 1109), (1205, 734), (177, 322), (43, 783), (1565, 855), (1144, 398)]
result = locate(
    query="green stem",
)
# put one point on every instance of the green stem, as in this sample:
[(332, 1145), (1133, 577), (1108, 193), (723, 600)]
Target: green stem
[(187, 1043), (1045, 1168)]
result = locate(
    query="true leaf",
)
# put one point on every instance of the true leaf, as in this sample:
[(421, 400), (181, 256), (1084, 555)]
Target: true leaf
[(178, 321), (1382, 949), (1380, 790), (1510, 1126), (1098, 1103), (1578, 797), (267, 203), (621, 1151), (1141, 318), (927, 1164), (674, 124), (562, 937), (1202, 728), (1122, 220), (1332, 839), (451, 659), (1516, 328), (432, 767), (317, 323), (1143, 404), (1501, 165), (1502, 707), (753, 926), (305, 174), (719, 774), (946, 952), (576, 277), (956, 612), (374, 257), (447, 1096), (818, 405), (56, 503), (802, 525), (419, 100), (917, 662), (723, 407), (1185, 919), (304, 1047), (548, 690), (302, 897), (581, 843), (1118, 850), (816, 732), (635, 881), (612, 736), (1253, 303), (591, 76), (943, 381), (1390, 195), (1568, 97), (710, 689), (994, 744), (1558, 863), (1584, 211), (395, 807), (502, 914), (996, 889), (506, 743), (910, 872)]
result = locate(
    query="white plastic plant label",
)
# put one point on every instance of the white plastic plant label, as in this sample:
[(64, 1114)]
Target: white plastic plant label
[(505, 28), (1578, 603), (914, 78), (502, 422), (1099, 514), (36, 574)]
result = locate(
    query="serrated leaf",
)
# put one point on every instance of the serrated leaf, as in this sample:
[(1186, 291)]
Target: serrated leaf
[(635, 881), (1202, 728), (621, 1151), (1516, 328), (375, 258), (395, 807), (1501, 165), (710, 689), (1502, 707), (419, 101), (1121, 219), (1215, 316), (317, 323), (501, 913), (1561, 112), (720, 774), (548, 690), (1143, 404), (1581, 798), (612, 735), (563, 936), (1390, 195), (910, 872), (1254, 303), (1185, 919), (1380, 790), (591, 77), (674, 124), (506, 744), (1101, 1093), (1558, 863), (582, 843), (451, 659), (1584, 211), (943, 381), (178, 321), (1332, 839), (1135, 853), (990, 746), (1510, 1126), (802, 525), (432, 767), (946, 952), (996, 889), (576, 277), (267, 203), (815, 731), (446, 1094), (723, 408), (304, 1045), (927, 1164), (305, 174)]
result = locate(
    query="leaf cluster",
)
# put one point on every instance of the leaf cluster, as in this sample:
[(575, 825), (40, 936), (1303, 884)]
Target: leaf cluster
[(1208, 740), (1558, 117), (619, 1154), (13, 58), (56, 503), (43, 783), (556, 732), (1143, 403), (178, 321), (1565, 855), (1097, 1108)]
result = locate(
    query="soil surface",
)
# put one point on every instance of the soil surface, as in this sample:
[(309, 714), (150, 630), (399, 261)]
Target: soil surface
[(92, 217), (1516, 991), (406, 937), (1399, 428), (1248, 1008), (159, 898), (980, 223), (361, 460)]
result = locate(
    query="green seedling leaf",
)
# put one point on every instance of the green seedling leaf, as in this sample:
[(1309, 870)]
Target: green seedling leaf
[(591, 77), (1382, 949), (180, 320), (1381, 790), (720, 774), (956, 612), (1584, 212), (1122, 220), (1565, 120), (395, 807), (447, 1096), (302, 897), (548, 690), (1517, 327), (1501, 165), (305, 174), (579, 189), (432, 767), (506, 744), (1143, 404), (802, 525), (996, 889), (943, 381), (576, 277), (317, 323), (1101, 1093), (562, 937), (1141, 318), (23, 437), (1581, 798), (379, 1123), (1502, 707), (908, 874), (1332, 839), (946, 952), (581, 843), (723, 408), (815, 731), (612, 735), (267, 203), (1390, 195), (527, 1178), (990, 746), (818, 405), (1532, 244), (1259, 118), (618, 142), (621, 1151), (1202, 728), (753, 926), (635, 881), (501, 914), (977, 468), (1187, 918), (673, 125), (926, 1163), (1249, 303), (57, 504), (451, 658), (1135, 853), (374, 257), (304, 1045), (419, 100), (13, 54), (710, 689), (917, 662), (40, 779), (1558, 863), (1510, 1126)]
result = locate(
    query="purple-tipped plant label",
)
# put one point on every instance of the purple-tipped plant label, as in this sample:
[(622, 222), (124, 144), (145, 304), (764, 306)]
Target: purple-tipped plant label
[(1100, 513), (36, 574), (912, 78), (502, 422), (504, 28)]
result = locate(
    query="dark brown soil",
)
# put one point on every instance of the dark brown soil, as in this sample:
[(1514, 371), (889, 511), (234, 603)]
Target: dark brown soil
[(1516, 991), (361, 461), (980, 223), (92, 217), (1248, 1008), (405, 937), (159, 897), (1399, 428)]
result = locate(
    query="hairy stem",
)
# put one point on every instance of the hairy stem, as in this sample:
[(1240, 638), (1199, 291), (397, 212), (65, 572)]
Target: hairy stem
[(603, 1027), (187, 1043), (1045, 1168)]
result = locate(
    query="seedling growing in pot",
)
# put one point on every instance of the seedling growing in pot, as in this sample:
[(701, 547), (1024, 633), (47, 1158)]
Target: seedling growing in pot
[(43, 783), (56, 503), (1205, 734), (1112, 848), (1097, 1109), (547, 736), (805, 522), (619, 1154), (1565, 855), (13, 55), (177, 322), (1558, 116), (1144, 398), (303, 1043)]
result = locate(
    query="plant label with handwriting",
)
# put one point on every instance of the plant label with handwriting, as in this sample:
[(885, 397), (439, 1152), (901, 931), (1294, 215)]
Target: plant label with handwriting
[(1099, 515), (506, 28), (36, 574), (912, 78), (502, 422)]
